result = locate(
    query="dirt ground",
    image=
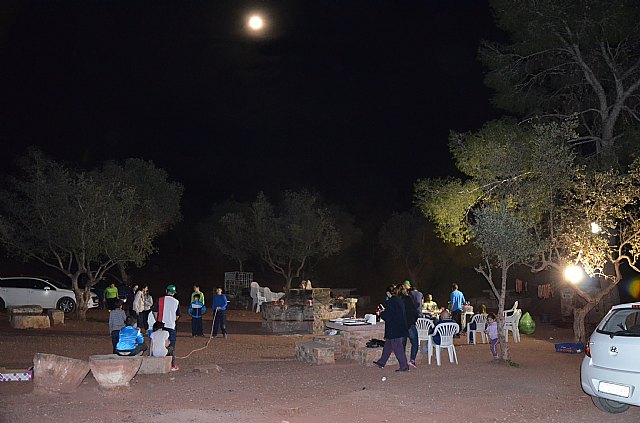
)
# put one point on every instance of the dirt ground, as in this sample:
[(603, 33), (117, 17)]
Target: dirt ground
[(261, 381)]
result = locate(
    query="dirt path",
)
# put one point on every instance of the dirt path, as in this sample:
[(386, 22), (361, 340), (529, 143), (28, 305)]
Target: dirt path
[(261, 382)]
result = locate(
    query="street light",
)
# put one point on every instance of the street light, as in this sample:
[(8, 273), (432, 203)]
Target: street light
[(574, 273), (595, 228), (256, 23)]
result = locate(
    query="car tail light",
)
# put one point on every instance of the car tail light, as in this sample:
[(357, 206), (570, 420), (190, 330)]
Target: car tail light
[(587, 348)]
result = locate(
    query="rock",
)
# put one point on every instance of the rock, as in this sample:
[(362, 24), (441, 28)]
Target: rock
[(209, 369), (30, 322), (112, 371), (56, 317), (25, 310), (315, 353), (155, 365), (54, 373)]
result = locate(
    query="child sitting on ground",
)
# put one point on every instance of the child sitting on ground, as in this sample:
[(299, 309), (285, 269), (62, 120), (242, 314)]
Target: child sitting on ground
[(492, 331), (131, 341), (196, 310), (160, 345), (117, 317)]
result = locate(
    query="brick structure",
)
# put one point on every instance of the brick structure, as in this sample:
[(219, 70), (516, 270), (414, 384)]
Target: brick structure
[(315, 353)]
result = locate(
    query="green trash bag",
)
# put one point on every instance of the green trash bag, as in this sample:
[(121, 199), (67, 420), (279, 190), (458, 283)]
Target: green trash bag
[(527, 325)]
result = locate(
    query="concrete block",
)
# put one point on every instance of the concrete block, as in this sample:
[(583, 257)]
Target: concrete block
[(30, 322), (314, 353), (112, 371), (155, 365), (56, 317), (54, 373)]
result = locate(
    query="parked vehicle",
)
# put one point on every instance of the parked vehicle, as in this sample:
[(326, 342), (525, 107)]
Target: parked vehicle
[(610, 371), (45, 292)]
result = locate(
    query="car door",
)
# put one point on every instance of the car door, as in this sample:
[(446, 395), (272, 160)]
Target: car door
[(16, 291), (616, 343), (42, 294)]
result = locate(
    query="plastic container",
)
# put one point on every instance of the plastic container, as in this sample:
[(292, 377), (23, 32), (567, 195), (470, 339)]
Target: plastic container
[(570, 348)]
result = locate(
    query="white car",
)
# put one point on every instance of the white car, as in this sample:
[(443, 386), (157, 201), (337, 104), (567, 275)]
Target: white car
[(45, 292), (610, 371)]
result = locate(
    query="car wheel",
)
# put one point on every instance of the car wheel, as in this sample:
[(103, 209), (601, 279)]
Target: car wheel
[(66, 304), (2, 305), (610, 406)]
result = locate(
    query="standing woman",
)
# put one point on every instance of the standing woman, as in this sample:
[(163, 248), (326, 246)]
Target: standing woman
[(128, 305), (146, 302), (395, 328)]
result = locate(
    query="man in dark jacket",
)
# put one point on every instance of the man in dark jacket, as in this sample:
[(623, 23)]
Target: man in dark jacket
[(395, 328), (411, 315)]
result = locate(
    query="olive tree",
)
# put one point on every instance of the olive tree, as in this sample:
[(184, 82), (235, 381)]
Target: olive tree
[(84, 223)]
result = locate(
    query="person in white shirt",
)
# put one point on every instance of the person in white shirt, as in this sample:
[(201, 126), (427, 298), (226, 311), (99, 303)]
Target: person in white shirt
[(167, 311)]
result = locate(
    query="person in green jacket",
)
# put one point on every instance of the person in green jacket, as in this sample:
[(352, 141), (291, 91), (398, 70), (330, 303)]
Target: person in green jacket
[(196, 291), (111, 296)]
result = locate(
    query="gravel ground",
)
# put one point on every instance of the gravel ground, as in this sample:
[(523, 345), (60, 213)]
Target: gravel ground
[(260, 381)]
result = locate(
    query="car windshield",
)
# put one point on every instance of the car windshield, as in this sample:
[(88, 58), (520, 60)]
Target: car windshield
[(621, 322)]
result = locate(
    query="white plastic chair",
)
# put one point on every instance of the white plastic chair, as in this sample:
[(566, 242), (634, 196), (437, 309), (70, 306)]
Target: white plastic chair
[(509, 312), (260, 297), (446, 331), (424, 326), (511, 324), (254, 294), (481, 324)]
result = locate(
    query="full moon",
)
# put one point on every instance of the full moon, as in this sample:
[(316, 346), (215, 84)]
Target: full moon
[(256, 23)]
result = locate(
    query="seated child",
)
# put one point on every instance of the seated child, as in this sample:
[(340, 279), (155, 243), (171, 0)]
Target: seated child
[(131, 341), (160, 345)]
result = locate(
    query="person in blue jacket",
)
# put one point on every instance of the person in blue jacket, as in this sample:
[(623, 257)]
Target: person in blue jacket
[(220, 307), (131, 341), (395, 328), (196, 311)]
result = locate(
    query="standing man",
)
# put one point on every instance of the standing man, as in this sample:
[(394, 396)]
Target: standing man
[(167, 311), (416, 297), (456, 299)]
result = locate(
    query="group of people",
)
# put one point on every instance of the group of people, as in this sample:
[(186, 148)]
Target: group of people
[(127, 326), (404, 305)]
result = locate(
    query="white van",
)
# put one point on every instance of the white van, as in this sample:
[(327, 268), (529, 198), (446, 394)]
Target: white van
[(47, 293)]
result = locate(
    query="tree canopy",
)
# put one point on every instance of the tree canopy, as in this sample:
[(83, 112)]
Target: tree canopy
[(86, 222), (570, 58)]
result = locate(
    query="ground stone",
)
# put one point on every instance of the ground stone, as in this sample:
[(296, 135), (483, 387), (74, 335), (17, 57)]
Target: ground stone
[(54, 373), (155, 365), (56, 317), (30, 322), (112, 371)]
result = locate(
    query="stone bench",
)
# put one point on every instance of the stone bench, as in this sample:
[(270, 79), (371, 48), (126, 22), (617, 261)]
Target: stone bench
[(155, 365), (54, 373), (30, 322), (112, 371), (56, 317), (314, 353), (23, 310)]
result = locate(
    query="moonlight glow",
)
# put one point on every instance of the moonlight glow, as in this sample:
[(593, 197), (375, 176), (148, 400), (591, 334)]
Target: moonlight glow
[(256, 23)]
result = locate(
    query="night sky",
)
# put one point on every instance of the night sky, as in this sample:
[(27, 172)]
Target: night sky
[(354, 99)]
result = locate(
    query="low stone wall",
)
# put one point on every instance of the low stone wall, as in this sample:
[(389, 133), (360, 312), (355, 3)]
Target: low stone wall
[(30, 322), (315, 353), (298, 318), (353, 342)]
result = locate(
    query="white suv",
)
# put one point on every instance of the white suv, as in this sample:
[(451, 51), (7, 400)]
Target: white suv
[(610, 371), (47, 293)]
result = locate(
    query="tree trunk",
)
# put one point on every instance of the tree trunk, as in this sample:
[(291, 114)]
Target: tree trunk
[(240, 265), (123, 273), (504, 344), (579, 316)]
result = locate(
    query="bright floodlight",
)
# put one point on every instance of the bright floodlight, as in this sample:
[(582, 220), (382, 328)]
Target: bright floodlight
[(256, 23), (573, 273), (595, 228)]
